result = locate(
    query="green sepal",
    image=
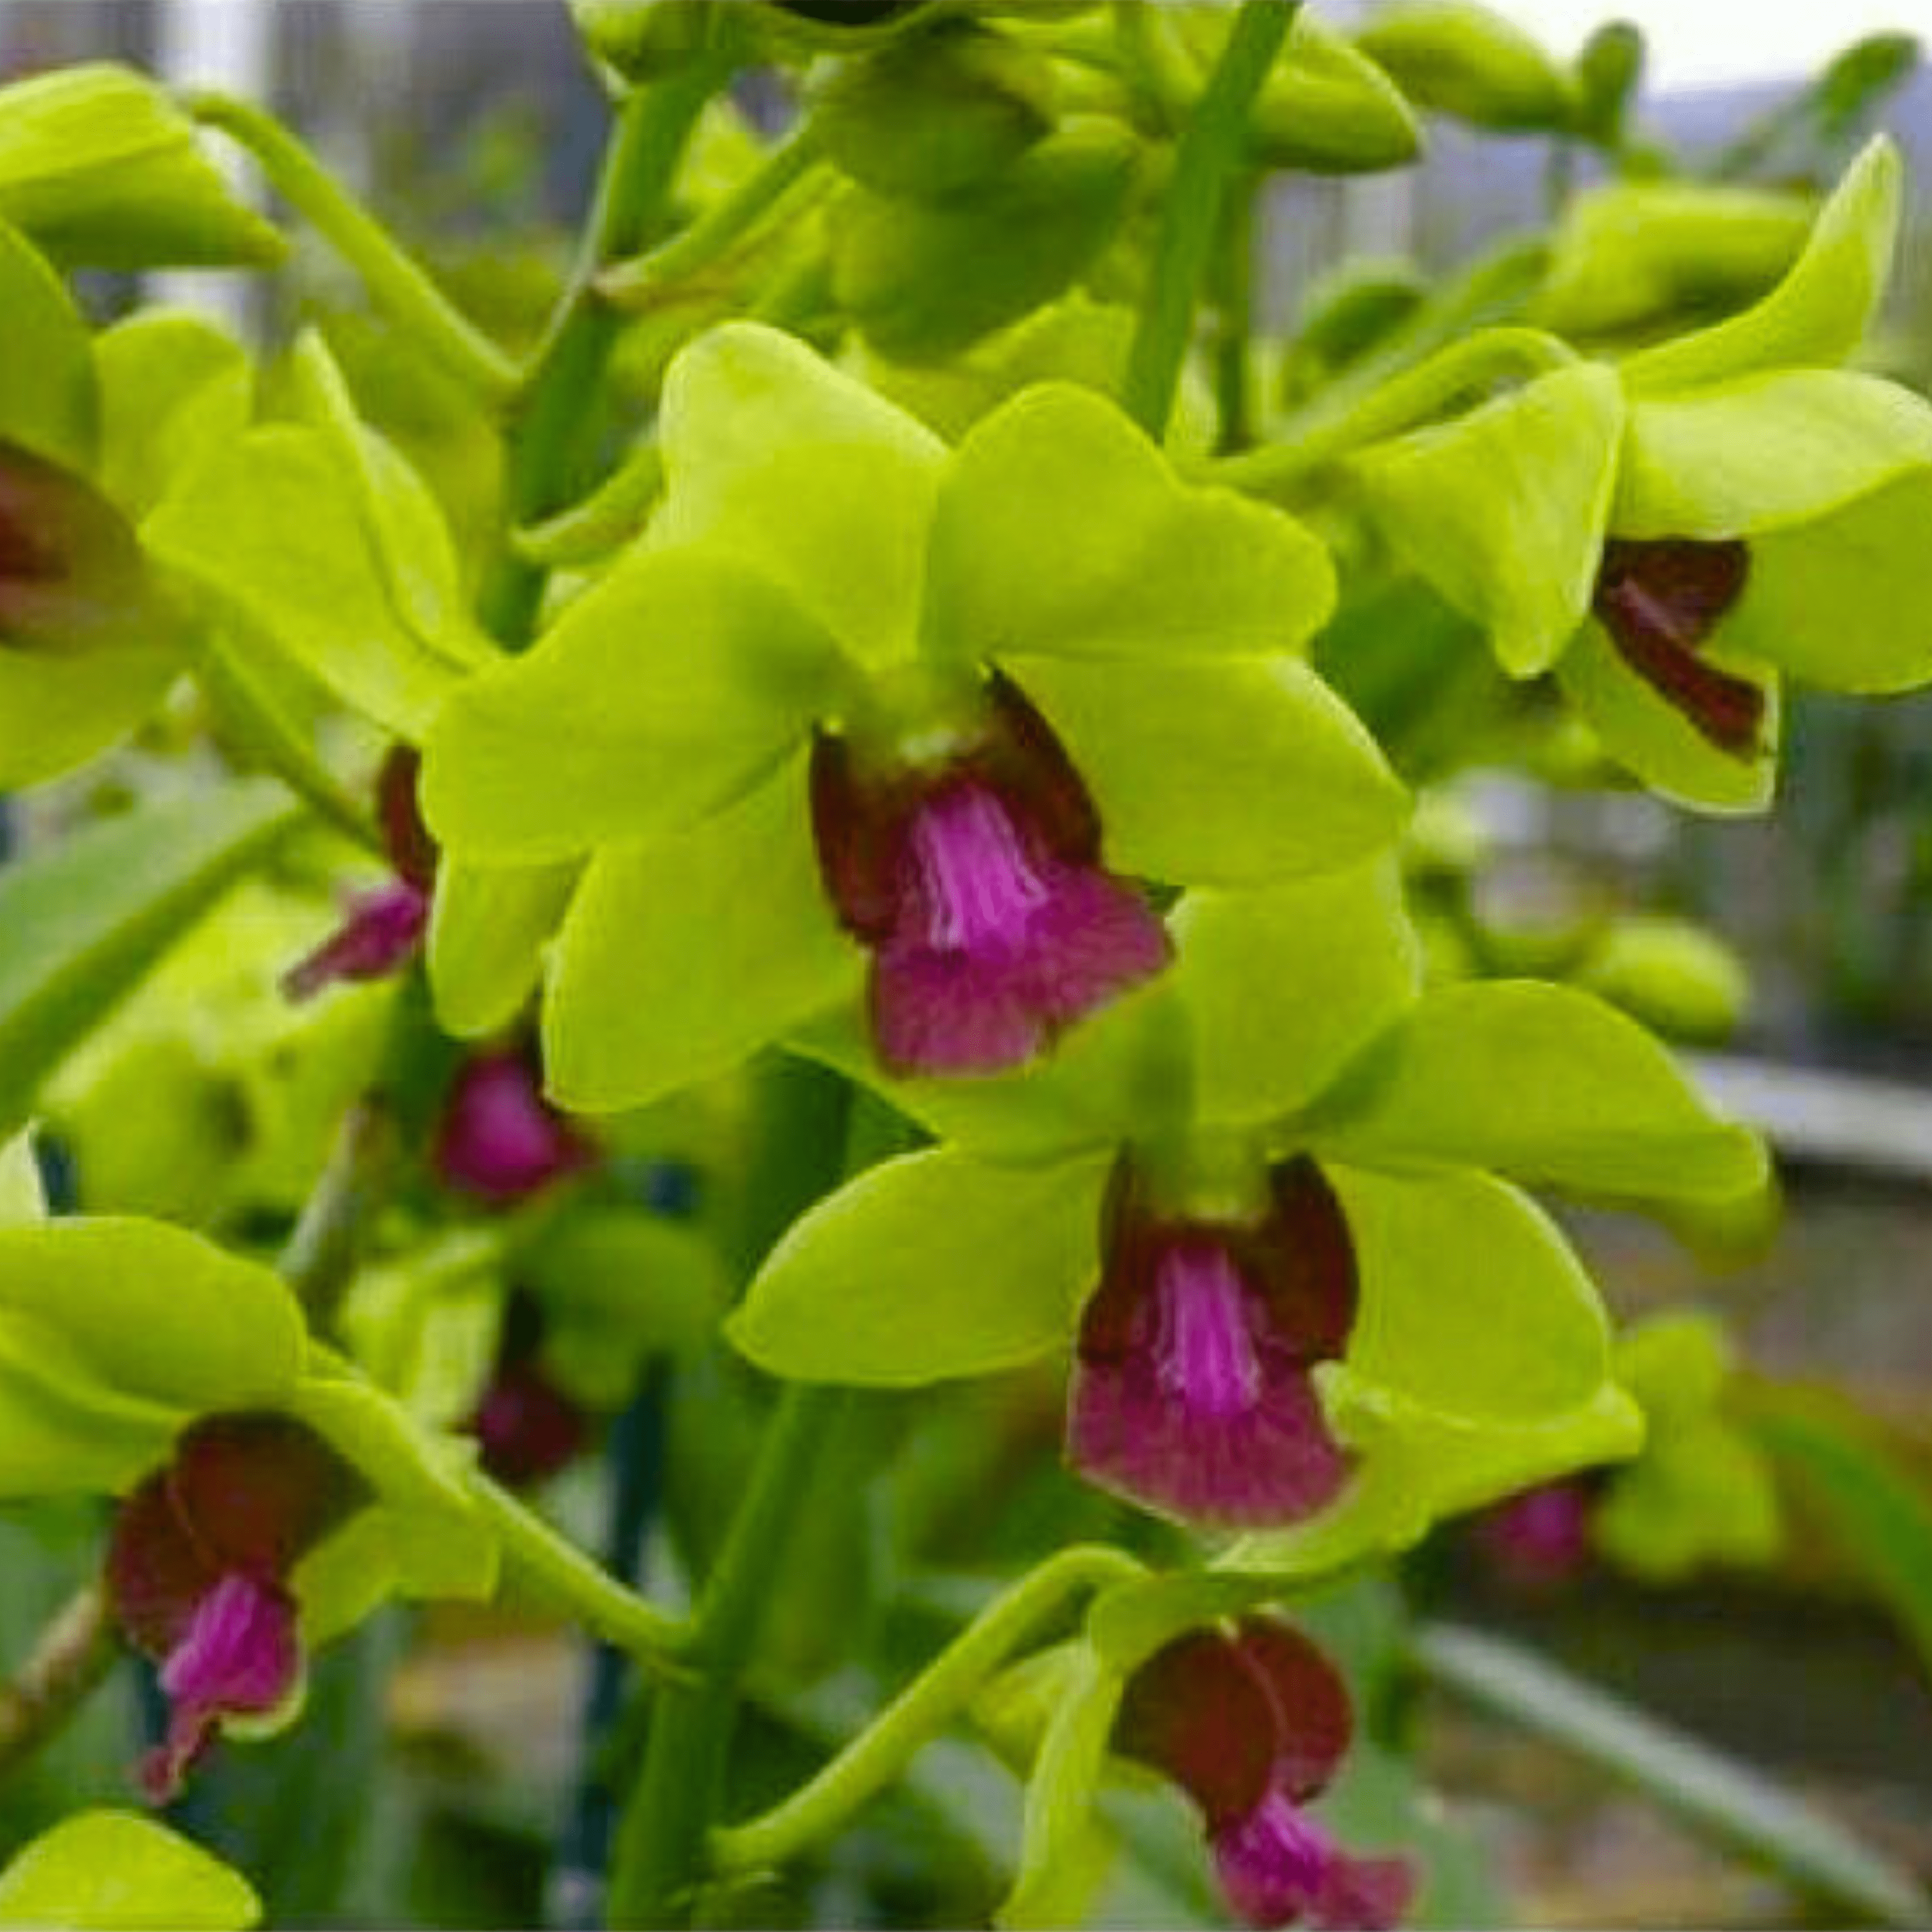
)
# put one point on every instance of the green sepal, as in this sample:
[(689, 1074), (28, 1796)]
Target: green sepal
[(425, 1328), (1547, 1083), (1829, 476), (1126, 1623), (104, 172), (626, 1020), (1503, 510), (1640, 728), (1234, 772), (488, 927), (116, 1871), (113, 1334), (676, 684), (1285, 985), (930, 1266), (1460, 58), (81, 923), (403, 524), (1610, 77), (1151, 568), (1028, 234), (1418, 1469), (796, 469), (936, 113), (1064, 1850), (275, 524), (48, 400), (173, 388), (57, 711), (1702, 1493), (421, 1534), (1473, 1307), (1818, 314), (1102, 1084), (1641, 254)]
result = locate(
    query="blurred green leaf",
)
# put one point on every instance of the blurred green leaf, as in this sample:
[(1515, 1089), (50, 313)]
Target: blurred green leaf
[(81, 923)]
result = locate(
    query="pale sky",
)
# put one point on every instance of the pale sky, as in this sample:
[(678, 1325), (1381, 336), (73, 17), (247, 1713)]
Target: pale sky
[(1696, 43)]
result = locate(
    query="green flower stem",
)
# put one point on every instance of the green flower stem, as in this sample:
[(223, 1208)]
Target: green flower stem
[(611, 515), (1209, 157), (660, 1855), (647, 280), (555, 1568), (1234, 319), (76, 1651), (1417, 394), (552, 433), (397, 284), (875, 1759), (319, 1260)]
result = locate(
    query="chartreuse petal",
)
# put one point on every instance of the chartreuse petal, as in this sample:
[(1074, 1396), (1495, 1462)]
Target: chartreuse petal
[(1472, 1306), (1818, 314), (1417, 1469), (1644, 731), (173, 387), (1545, 1083), (153, 1312), (628, 1016), (57, 711), (1285, 985), (47, 398), (63, 1432), (115, 1871), (402, 523), (1233, 772), (1064, 1849), (421, 1534), (488, 929), (1829, 477), (1147, 567), (104, 171), (802, 474), (1503, 510), (929, 1267), (1701, 1492), (678, 682), (1100, 1085), (274, 523)]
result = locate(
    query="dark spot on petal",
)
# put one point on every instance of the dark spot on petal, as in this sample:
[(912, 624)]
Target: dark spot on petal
[(1659, 600)]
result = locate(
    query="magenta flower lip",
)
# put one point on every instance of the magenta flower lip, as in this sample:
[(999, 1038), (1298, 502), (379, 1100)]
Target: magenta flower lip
[(198, 1570), (1192, 1392), (381, 933), (1253, 1724), (977, 885)]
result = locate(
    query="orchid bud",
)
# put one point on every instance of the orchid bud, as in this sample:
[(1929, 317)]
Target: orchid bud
[(937, 112), (1458, 59)]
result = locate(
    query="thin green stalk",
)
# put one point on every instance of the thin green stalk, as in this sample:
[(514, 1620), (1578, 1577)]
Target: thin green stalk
[(1209, 156), (552, 436), (1399, 404), (559, 1570), (660, 1856), (71, 1661), (1234, 320), (396, 283), (641, 282), (873, 1760)]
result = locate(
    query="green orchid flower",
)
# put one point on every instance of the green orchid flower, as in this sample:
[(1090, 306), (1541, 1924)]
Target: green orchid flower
[(854, 693), (269, 1497), (1675, 533), (1261, 1200), (102, 1870)]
